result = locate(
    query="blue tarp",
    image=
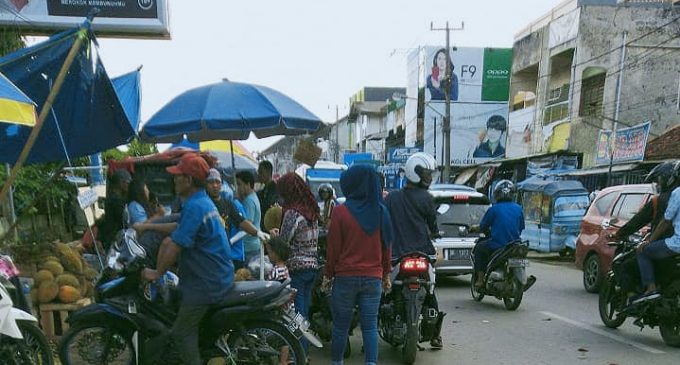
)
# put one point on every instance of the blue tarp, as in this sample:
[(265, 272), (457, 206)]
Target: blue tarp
[(89, 114), (550, 187), (128, 87)]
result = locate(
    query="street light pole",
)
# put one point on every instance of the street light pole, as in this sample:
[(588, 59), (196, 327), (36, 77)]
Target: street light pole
[(619, 81), (446, 125)]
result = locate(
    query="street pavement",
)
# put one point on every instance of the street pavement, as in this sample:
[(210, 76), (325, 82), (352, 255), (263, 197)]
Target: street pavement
[(557, 323)]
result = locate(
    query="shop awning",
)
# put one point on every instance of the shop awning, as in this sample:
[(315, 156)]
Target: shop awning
[(465, 175), (601, 170)]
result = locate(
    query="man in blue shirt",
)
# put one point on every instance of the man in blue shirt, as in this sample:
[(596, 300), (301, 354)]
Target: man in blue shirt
[(205, 266), (245, 185), (505, 220)]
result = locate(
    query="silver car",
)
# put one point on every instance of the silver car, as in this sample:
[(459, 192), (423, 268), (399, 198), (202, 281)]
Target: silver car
[(459, 208)]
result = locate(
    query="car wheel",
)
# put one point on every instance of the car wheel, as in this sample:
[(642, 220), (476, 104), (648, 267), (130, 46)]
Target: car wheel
[(591, 274)]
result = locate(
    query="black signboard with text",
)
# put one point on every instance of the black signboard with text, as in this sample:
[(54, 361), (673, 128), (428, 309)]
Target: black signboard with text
[(108, 8)]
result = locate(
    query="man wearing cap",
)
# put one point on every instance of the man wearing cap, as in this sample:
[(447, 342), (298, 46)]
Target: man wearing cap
[(115, 216), (491, 147), (232, 213), (205, 265)]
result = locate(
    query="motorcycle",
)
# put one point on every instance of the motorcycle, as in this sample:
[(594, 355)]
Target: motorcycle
[(505, 276), (21, 341), (622, 281), (404, 319), (255, 325)]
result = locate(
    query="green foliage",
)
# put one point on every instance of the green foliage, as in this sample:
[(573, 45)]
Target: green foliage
[(32, 180), (134, 149), (10, 40)]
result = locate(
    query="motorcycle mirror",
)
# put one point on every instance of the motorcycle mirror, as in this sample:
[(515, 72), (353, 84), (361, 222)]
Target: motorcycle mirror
[(443, 208)]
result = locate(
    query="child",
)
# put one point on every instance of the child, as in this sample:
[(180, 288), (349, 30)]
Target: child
[(278, 252)]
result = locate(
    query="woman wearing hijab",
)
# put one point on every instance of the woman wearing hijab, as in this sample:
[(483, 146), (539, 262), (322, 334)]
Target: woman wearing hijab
[(300, 229), (358, 258)]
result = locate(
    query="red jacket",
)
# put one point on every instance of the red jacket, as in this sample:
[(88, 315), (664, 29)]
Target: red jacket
[(352, 252)]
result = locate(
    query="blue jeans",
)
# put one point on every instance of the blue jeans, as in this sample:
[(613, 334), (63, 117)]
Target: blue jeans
[(303, 282), (656, 250), (348, 292)]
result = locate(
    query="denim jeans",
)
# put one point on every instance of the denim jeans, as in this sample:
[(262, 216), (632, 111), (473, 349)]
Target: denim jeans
[(303, 282), (656, 250), (348, 292), (482, 253)]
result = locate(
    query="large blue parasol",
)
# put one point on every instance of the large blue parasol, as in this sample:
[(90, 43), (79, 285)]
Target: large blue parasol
[(228, 110)]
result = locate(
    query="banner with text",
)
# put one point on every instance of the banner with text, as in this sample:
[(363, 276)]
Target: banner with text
[(629, 145)]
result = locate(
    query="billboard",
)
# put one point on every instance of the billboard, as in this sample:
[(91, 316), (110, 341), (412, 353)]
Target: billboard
[(520, 134), (478, 132), (128, 18), (629, 145)]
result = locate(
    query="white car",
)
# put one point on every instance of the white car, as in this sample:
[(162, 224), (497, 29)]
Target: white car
[(459, 208)]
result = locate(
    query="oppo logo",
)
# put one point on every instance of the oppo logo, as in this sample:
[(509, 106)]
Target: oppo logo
[(497, 72), (145, 4)]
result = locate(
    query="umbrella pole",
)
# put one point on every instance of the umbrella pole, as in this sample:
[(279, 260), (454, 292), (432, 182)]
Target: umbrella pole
[(82, 35)]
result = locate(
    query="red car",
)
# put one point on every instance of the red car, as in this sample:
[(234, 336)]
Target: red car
[(613, 207)]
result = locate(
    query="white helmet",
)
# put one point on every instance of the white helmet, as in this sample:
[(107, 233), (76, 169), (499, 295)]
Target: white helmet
[(416, 163)]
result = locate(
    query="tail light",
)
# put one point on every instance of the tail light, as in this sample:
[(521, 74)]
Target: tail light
[(413, 266)]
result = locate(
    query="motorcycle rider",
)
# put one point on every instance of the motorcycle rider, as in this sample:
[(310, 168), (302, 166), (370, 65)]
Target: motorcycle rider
[(663, 176), (200, 246), (657, 248), (505, 220), (414, 219)]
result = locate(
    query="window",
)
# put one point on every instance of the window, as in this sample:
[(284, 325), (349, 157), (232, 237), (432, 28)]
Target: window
[(571, 206), (627, 206), (592, 95), (604, 203), (531, 203)]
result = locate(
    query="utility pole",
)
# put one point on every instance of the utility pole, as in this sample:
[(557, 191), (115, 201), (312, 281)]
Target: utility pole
[(446, 126), (337, 134), (619, 81)]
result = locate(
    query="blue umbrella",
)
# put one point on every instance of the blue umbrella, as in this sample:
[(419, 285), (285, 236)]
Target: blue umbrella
[(228, 110)]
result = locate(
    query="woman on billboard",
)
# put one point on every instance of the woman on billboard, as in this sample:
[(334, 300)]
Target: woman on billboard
[(490, 139), (435, 81)]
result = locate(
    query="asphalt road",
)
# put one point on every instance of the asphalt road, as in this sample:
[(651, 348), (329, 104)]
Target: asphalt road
[(557, 323)]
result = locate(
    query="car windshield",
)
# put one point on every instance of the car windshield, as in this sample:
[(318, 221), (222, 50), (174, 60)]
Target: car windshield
[(571, 206), (314, 186), (461, 213)]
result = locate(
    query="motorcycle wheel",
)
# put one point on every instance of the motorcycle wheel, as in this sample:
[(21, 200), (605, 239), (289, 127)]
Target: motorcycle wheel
[(96, 343), (477, 296), (607, 304), (512, 303), (410, 348), (262, 342), (670, 330), (591, 274), (33, 349)]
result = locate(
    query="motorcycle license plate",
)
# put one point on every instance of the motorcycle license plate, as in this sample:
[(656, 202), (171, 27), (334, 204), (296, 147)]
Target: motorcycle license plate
[(297, 323), (518, 262), (456, 254)]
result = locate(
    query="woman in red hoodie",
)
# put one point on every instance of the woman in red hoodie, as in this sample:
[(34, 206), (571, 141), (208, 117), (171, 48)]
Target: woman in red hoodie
[(358, 259)]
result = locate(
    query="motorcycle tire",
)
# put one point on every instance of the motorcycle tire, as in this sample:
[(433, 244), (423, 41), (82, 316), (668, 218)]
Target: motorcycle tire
[(277, 330), (512, 303), (33, 349), (670, 330), (410, 348), (111, 339), (607, 302), (477, 296)]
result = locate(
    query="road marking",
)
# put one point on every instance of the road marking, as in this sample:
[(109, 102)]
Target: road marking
[(603, 333)]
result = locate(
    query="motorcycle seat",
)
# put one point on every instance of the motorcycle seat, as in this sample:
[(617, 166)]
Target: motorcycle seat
[(248, 291)]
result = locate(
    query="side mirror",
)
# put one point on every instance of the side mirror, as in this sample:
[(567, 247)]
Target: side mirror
[(443, 208)]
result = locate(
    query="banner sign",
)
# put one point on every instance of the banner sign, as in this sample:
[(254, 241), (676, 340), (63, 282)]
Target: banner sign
[(520, 136), (132, 18), (629, 145), (401, 154), (564, 29)]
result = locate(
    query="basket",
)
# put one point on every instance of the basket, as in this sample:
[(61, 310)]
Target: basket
[(307, 152)]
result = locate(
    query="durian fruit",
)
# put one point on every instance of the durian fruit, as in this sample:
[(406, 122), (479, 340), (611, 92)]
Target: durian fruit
[(61, 248), (273, 217), (68, 294), (90, 273), (50, 258), (87, 289), (34, 296), (54, 267), (47, 291), (72, 263), (68, 279), (42, 276)]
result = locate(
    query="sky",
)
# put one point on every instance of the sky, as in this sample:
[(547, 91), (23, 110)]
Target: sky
[(317, 52)]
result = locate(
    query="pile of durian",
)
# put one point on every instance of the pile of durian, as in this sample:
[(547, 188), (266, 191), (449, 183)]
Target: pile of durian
[(63, 277)]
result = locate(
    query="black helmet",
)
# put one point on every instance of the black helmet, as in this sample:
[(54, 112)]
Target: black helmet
[(503, 191), (326, 188), (665, 175)]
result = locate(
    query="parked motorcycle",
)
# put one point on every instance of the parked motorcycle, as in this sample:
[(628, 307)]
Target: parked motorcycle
[(255, 325), (21, 341), (404, 319), (505, 276), (622, 282)]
